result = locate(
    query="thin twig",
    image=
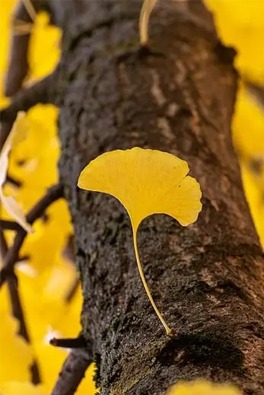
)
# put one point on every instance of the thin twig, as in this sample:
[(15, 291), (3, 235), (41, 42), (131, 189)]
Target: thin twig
[(30, 9), (9, 225), (23, 18), (28, 97), (72, 373), (3, 245), (17, 310), (18, 58), (73, 342), (13, 180), (11, 257)]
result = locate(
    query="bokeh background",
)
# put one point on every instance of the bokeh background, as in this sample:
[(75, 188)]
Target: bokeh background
[(48, 282)]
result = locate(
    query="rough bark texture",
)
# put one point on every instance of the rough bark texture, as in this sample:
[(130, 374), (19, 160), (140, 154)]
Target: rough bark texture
[(207, 279)]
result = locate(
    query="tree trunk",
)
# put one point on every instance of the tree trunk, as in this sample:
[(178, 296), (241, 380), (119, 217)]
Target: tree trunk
[(207, 279)]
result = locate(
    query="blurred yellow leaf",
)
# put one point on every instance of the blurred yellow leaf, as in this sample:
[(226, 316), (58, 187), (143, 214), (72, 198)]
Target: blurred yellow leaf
[(87, 385), (6, 8), (44, 49), (51, 360), (20, 387), (34, 160), (202, 387), (254, 194), (241, 24), (248, 137), (45, 245), (248, 125), (8, 202)]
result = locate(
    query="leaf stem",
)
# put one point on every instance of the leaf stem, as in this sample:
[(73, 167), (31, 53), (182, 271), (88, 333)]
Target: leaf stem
[(140, 269)]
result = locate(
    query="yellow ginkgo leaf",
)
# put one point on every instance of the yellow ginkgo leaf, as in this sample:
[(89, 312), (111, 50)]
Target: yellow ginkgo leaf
[(146, 182), (202, 387)]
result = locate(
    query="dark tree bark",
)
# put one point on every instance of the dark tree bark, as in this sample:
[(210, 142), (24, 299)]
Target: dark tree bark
[(207, 279)]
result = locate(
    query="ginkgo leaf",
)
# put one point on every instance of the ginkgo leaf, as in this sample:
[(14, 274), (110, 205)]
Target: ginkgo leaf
[(146, 182), (9, 203), (202, 387)]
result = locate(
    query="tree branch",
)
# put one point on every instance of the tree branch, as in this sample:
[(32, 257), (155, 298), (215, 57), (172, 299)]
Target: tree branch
[(11, 256), (207, 277), (72, 373), (27, 98), (18, 63)]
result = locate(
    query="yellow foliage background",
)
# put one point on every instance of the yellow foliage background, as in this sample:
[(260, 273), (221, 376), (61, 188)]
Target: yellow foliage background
[(240, 24), (47, 276)]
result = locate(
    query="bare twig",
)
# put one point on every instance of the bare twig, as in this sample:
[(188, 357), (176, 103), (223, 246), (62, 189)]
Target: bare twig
[(9, 225), (23, 18), (75, 342), (30, 9), (3, 245), (18, 63), (26, 98), (16, 305), (72, 373), (11, 257), (12, 180)]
